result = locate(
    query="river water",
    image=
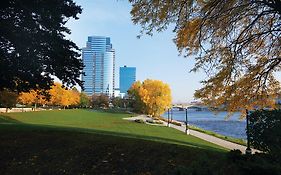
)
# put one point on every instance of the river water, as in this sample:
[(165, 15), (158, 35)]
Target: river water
[(233, 126)]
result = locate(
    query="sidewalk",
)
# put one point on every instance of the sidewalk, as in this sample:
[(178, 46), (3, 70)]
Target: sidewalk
[(203, 136), (212, 139)]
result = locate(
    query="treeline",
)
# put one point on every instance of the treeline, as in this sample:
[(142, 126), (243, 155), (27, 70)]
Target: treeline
[(60, 97), (57, 96), (150, 97)]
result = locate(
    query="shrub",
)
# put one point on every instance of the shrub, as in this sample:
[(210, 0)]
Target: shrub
[(152, 121), (172, 122), (258, 164), (158, 122), (265, 131), (139, 121), (176, 123)]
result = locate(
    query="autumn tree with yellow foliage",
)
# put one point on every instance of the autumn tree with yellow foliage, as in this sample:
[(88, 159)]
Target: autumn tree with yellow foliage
[(59, 96), (237, 43), (153, 95), (63, 97), (32, 98)]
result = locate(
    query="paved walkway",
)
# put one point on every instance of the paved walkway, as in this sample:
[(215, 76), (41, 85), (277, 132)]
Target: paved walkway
[(203, 136), (142, 117)]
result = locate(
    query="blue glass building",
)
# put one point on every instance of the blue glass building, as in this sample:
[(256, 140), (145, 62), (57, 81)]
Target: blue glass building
[(99, 61), (127, 78)]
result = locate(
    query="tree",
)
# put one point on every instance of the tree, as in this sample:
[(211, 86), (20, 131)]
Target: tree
[(33, 45), (84, 100), (135, 99), (117, 102), (32, 97), (56, 94), (63, 97), (8, 99), (69, 98), (100, 100), (265, 131), (154, 95), (237, 43), (27, 98)]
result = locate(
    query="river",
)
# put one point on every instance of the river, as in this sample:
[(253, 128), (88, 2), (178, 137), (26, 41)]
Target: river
[(233, 126)]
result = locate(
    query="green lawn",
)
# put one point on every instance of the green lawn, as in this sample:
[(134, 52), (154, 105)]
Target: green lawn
[(106, 123), (87, 142)]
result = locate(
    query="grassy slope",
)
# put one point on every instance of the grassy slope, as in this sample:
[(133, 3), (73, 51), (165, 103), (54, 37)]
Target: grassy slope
[(110, 124), (36, 143)]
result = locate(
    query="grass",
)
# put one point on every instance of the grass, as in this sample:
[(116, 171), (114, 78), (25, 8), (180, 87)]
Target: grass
[(86, 142), (109, 124)]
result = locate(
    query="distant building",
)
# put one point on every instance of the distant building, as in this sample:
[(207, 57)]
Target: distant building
[(127, 78), (118, 94), (99, 60)]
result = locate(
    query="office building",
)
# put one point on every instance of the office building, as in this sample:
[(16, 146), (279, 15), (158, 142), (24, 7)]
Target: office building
[(127, 78), (99, 61)]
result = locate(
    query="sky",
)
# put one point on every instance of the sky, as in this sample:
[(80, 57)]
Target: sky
[(155, 57)]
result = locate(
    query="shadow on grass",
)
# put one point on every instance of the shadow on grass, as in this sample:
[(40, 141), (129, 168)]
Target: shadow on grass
[(18, 125), (8, 120)]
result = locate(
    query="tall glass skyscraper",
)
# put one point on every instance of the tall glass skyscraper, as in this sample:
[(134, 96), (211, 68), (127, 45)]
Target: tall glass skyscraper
[(127, 78), (99, 61)]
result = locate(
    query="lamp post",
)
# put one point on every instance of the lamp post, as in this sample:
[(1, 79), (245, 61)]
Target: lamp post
[(186, 123), (171, 114), (168, 117), (248, 150)]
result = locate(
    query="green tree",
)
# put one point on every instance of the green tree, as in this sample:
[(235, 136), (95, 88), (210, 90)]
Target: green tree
[(237, 43), (8, 99), (134, 98), (117, 102), (33, 44), (84, 100)]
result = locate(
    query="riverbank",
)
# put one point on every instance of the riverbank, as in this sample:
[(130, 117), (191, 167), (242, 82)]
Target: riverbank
[(220, 123), (212, 139), (197, 133), (227, 138)]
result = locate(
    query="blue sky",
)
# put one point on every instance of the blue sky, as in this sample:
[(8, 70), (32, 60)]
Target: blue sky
[(154, 57)]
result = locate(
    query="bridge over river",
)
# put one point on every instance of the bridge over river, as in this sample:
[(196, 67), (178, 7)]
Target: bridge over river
[(182, 107)]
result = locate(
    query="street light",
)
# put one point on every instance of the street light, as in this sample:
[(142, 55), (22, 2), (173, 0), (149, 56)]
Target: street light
[(248, 150), (168, 117), (186, 123), (172, 114)]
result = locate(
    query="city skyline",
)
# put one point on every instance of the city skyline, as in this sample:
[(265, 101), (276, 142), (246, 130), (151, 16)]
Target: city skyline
[(156, 57)]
